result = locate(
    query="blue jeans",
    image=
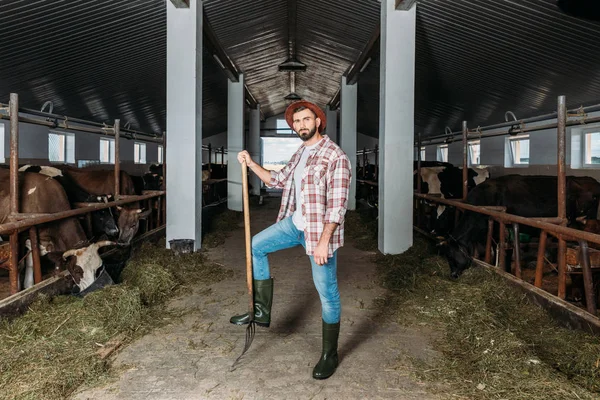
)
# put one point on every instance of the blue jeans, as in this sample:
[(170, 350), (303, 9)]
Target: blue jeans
[(284, 235)]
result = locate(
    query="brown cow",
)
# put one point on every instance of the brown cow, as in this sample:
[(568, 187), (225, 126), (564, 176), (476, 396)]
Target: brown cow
[(99, 182), (38, 194)]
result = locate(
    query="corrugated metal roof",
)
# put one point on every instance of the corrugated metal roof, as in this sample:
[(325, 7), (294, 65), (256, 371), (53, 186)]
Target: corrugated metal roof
[(96, 60), (475, 59), (330, 35)]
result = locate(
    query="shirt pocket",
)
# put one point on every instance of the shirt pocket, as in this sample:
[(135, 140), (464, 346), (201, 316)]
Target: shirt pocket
[(319, 174)]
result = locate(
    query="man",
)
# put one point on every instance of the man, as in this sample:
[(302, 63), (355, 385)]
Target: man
[(315, 184)]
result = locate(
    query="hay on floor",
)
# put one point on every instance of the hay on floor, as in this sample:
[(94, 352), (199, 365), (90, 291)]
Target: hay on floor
[(495, 344)]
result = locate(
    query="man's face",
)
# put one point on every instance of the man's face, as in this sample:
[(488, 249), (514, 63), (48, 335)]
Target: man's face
[(305, 124)]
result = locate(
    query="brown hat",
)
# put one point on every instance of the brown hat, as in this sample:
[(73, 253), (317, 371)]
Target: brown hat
[(289, 113)]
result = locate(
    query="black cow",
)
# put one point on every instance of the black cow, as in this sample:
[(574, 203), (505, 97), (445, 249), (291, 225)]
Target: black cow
[(445, 180), (527, 196)]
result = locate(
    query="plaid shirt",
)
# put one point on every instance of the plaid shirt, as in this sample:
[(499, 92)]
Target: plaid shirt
[(324, 192)]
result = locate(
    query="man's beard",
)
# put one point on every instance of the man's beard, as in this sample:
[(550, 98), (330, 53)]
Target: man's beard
[(307, 136)]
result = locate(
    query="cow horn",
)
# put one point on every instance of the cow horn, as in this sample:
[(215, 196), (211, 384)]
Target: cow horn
[(104, 243), (69, 253)]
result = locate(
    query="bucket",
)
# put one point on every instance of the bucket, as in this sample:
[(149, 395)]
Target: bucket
[(102, 279), (182, 246)]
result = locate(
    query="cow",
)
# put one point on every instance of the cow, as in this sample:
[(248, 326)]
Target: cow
[(151, 180), (100, 182), (103, 222), (446, 180), (526, 196), (82, 263), (38, 194)]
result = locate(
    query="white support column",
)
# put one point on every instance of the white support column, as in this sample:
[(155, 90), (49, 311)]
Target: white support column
[(184, 122), (331, 129), (235, 142), (396, 127), (254, 148), (348, 101)]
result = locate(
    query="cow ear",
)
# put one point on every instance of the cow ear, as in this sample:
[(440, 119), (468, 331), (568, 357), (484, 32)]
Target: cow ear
[(119, 208), (143, 214)]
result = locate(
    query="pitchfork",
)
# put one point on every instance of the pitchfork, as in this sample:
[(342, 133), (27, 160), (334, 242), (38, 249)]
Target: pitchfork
[(251, 329)]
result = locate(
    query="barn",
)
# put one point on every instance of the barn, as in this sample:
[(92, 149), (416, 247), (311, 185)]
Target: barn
[(387, 199)]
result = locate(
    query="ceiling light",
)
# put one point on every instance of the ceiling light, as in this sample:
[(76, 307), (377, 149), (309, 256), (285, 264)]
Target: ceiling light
[(293, 96), (292, 64)]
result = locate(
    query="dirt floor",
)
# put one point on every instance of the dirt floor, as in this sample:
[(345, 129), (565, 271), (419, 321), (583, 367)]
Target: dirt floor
[(192, 358)]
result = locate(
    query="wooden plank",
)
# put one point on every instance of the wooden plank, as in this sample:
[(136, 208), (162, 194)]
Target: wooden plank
[(19, 302), (566, 313)]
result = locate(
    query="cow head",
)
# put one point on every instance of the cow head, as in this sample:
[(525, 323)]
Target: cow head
[(103, 221), (152, 181), (81, 263), (582, 199), (129, 223), (457, 256)]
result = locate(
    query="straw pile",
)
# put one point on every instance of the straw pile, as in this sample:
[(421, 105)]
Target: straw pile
[(63, 342), (494, 343)]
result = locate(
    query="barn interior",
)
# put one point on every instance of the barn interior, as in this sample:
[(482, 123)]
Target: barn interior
[(162, 95)]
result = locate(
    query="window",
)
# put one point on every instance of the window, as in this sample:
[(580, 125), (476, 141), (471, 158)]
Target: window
[(519, 150), (591, 149), (475, 152), (2, 159), (276, 152), (61, 147), (107, 151), (422, 153), (139, 153), (283, 128), (160, 154), (442, 153)]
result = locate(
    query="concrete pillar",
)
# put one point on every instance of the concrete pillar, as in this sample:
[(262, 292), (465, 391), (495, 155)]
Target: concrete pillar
[(184, 123), (396, 127), (235, 142), (254, 148), (331, 129), (347, 140)]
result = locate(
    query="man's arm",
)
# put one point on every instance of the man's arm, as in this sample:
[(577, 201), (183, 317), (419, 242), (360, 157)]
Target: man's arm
[(320, 253), (338, 188), (263, 174), (270, 178)]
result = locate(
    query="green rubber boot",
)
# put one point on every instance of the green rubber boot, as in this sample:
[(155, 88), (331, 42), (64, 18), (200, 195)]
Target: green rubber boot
[(263, 300), (329, 357)]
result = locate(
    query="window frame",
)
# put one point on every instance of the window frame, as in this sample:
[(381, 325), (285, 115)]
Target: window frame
[(2, 133), (68, 151), (440, 153), (111, 154), (470, 146), (586, 147), (138, 159), (509, 144)]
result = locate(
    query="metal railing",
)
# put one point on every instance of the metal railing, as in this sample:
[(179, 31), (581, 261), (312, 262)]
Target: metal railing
[(18, 222), (555, 226)]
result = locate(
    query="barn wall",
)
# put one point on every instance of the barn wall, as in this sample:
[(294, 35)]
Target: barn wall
[(33, 148), (216, 141), (542, 154), (366, 142)]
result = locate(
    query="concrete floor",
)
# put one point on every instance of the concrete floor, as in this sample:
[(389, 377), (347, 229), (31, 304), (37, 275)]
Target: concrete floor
[(192, 359)]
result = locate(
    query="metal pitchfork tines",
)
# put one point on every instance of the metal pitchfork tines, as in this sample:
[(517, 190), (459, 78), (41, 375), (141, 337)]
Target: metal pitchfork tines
[(251, 328)]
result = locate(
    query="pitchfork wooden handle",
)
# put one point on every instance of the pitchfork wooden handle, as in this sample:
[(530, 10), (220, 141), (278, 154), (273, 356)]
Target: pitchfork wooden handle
[(246, 206)]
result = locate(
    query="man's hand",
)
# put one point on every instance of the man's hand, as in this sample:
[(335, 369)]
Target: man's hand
[(244, 155), (320, 254)]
